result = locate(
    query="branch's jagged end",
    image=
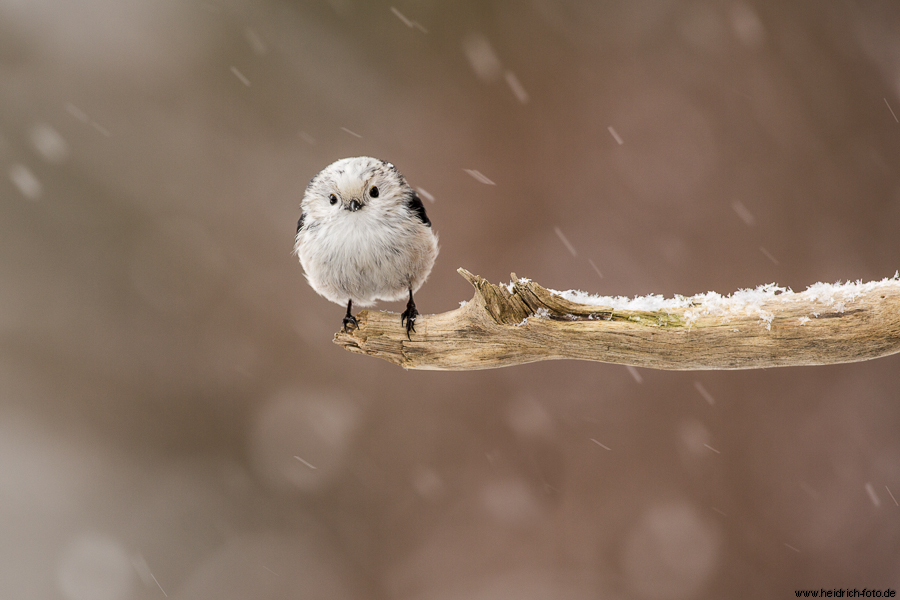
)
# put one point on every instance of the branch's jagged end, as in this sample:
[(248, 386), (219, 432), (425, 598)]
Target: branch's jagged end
[(523, 322)]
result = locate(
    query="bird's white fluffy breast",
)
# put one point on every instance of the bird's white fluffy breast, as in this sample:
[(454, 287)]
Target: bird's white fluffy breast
[(376, 253)]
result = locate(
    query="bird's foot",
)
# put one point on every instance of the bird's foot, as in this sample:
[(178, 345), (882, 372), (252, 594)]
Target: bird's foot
[(349, 321), (409, 316)]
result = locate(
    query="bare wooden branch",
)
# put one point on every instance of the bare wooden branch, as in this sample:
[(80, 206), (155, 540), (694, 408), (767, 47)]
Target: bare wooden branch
[(524, 322)]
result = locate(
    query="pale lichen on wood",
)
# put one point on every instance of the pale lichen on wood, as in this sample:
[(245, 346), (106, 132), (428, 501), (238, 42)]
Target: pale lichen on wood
[(524, 322)]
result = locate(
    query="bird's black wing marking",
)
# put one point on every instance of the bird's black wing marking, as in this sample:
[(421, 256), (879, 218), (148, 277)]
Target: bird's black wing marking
[(416, 206), (300, 222)]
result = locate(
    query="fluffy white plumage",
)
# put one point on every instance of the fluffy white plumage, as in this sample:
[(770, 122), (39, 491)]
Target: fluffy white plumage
[(363, 235)]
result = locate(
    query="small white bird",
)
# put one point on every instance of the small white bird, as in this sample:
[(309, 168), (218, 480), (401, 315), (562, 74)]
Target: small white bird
[(363, 236)]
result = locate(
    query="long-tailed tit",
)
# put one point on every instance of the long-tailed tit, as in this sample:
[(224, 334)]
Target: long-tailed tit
[(363, 236)]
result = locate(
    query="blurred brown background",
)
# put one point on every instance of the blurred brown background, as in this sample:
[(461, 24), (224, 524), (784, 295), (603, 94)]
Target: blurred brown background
[(175, 421)]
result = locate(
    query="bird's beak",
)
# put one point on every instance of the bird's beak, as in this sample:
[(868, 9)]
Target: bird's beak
[(354, 205)]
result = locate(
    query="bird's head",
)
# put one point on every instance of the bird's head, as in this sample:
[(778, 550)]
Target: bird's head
[(353, 186)]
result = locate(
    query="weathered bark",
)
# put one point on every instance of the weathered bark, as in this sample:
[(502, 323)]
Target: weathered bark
[(509, 325)]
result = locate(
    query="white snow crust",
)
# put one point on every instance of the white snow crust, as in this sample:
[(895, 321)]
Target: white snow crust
[(832, 297)]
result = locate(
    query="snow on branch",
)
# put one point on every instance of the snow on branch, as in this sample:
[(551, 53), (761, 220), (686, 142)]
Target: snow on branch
[(523, 322)]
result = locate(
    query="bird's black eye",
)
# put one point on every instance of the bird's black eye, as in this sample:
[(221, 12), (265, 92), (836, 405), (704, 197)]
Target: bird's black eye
[(332, 198), (373, 192)]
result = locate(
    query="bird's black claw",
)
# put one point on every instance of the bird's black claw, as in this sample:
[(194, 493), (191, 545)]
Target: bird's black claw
[(350, 320), (409, 316)]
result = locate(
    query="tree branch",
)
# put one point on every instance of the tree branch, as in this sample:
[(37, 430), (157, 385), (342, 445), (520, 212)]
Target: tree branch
[(524, 322)]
